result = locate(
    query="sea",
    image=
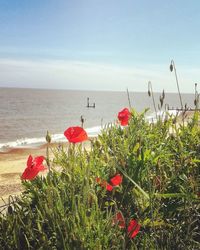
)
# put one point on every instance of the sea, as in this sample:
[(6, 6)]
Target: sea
[(27, 114)]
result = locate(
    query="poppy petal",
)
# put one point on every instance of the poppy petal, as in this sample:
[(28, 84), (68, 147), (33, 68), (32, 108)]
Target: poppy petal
[(124, 121), (29, 161), (30, 174), (34, 166), (133, 228), (38, 160), (116, 180), (104, 184), (119, 219), (124, 116), (76, 134), (109, 187), (41, 168)]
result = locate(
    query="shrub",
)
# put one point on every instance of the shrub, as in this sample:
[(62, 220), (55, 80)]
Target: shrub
[(155, 206)]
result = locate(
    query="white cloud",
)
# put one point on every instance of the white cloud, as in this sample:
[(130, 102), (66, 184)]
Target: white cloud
[(93, 76)]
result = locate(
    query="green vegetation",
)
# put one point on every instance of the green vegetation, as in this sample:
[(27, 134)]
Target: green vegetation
[(69, 209)]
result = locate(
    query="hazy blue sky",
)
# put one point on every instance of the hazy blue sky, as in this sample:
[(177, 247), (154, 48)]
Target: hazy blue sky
[(99, 44)]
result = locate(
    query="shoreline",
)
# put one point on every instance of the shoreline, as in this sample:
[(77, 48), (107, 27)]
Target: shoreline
[(35, 142), (93, 132)]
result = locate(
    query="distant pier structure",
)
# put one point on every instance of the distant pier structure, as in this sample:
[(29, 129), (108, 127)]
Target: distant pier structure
[(89, 105), (183, 109)]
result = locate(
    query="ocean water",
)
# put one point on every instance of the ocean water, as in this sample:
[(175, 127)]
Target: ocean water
[(27, 114)]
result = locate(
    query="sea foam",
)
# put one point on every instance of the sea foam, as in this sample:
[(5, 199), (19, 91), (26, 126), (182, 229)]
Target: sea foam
[(35, 142)]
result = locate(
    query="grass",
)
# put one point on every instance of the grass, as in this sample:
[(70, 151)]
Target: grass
[(68, 209)]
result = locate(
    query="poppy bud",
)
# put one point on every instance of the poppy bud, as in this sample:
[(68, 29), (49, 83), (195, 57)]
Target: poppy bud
[(174, 120), (163, 94), (171, 67), (161, 101), (82, 121), (195, 102), (149, 93), (10, 210), (48, 137), (98, 143)]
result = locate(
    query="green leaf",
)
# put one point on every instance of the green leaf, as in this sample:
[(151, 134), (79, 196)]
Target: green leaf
[(136, 185), (170, 195)]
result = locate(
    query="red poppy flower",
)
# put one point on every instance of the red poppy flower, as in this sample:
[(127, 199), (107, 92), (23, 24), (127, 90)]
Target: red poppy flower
[(119, 219), (133, 228), (116, 180), (124, 116), (76, 134), (107, 186), (104, 184), (34, 166)]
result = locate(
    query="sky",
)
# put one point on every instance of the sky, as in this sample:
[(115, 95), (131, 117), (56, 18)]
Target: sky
[(99, 44)]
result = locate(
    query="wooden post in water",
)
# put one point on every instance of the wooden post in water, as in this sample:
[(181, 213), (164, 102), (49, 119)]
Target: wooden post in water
[(88, 102)]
